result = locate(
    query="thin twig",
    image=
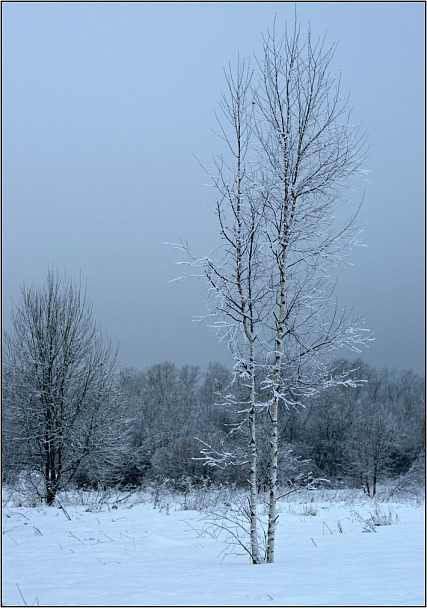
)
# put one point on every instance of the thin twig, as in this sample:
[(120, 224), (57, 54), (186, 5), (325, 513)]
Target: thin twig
[(20, 593)]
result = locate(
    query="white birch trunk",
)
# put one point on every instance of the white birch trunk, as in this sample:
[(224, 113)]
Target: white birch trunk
[(253, 469), (272, 514)]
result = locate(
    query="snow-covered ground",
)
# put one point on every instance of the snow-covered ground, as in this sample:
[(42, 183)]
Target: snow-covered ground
[(329, 552)]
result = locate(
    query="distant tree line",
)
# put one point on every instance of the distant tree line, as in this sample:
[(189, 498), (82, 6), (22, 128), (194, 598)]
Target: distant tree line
[(354, 436), (350, 436), (70, 417)]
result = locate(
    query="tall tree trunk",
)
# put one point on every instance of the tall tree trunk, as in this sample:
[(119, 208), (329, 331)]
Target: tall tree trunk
[(49, 450), (272, 513), (274, 408), (253, 469)]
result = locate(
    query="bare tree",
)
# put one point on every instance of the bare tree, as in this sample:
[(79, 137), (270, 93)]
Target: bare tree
[(370, 444), (235, 277), (292, 155), (60, 389)]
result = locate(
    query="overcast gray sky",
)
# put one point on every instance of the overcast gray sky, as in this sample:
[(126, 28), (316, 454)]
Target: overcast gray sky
[(104, 105)]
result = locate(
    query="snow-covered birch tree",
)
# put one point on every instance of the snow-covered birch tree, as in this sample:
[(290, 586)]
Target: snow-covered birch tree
[(60, 387), (308, 153), (293, 155), (235, 275)]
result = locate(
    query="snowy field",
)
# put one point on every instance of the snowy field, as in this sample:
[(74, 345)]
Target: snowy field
[(333, 548)]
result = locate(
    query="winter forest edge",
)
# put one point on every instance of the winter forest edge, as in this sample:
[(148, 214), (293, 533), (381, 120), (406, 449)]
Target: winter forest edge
[(293, 415)]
